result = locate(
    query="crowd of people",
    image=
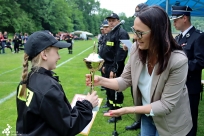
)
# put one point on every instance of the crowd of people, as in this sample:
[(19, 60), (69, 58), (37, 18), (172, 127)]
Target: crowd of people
[(18, 41), (15, 44), (164, 74)]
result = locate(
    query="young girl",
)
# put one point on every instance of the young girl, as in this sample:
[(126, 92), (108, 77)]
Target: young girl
[(43, 109)]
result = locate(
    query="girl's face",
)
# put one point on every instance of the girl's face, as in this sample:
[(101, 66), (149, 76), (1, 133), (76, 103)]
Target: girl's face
[(142, 34), (50, 58)]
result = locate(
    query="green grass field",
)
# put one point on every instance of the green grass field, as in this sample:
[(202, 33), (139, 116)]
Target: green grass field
[(72, 77)]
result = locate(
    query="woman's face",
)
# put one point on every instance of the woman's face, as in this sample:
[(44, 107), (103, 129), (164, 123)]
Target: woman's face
[(143, 34)]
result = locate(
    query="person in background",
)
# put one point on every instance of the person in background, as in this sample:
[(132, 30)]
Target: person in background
[(16, 42), (25, 38), (9, 45), (100, 43), (192, 42), (114, 55), (100, 38), (136, 125), (106, 30), (4, 41), (20, 37), (57, 36), (157, 70), (2, 46), (42, 106), (68, 39)]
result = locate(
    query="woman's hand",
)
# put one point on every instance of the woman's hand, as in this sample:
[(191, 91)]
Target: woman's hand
[(92, 98), (102, 81), (88, 80), (116, 113)]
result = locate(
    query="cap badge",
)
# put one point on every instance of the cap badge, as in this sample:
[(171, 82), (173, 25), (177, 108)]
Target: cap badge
[(187, 35), (111, 14)]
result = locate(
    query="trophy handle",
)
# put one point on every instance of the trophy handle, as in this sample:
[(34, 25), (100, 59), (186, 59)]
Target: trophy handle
[(92, 81)]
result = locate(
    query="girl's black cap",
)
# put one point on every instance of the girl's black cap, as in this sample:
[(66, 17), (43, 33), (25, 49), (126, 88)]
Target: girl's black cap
[(40, 40)]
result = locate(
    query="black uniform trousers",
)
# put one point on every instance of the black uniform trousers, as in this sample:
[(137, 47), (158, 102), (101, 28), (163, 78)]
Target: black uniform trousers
[(111, 94), (194, 100), (102, 74), (70, 48), (16, 47)]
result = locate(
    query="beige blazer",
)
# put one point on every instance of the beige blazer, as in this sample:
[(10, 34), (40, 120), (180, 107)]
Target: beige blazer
[(168, 95)]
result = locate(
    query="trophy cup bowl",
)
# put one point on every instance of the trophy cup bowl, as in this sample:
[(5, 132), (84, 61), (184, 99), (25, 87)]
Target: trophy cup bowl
[(93, 63)]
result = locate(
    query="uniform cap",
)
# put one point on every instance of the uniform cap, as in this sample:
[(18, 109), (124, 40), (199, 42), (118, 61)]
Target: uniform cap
[(114, 16), (101, 26), (40, 40), (179, 11), (140, 7), (105, 23)]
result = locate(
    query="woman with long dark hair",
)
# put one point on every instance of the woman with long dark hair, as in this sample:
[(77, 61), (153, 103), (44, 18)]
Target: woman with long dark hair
[(157, 71)]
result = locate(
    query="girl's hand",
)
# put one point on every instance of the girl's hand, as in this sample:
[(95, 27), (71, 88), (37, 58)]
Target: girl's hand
[(92, 98)]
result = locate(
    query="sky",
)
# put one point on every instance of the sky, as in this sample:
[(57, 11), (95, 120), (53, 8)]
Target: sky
[(119, 6)]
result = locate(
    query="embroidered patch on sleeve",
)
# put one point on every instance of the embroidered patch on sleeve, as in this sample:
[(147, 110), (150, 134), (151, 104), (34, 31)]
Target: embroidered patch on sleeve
[(29, 97)]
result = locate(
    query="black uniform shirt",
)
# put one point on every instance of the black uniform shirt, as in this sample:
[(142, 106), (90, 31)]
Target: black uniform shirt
[(100, 42), (111, 51), (193, 45), (46, 110)]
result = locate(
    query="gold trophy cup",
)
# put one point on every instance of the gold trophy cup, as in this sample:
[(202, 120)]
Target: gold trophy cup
[(93, 63)]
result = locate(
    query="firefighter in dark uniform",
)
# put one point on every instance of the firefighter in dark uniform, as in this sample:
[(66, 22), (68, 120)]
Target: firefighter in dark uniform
[(69, 38), (100, 43), (106, 30), (192, 42), (114, 57), (100, 38), (42, 106)]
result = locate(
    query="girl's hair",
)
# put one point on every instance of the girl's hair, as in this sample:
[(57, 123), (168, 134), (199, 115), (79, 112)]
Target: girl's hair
[(162, 42), (24, 76), (36, 61)]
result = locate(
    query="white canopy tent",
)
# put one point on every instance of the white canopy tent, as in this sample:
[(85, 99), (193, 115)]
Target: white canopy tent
[(83, 34)]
